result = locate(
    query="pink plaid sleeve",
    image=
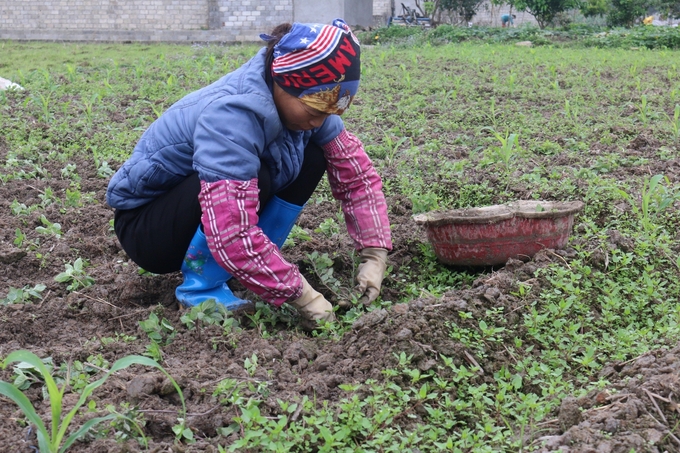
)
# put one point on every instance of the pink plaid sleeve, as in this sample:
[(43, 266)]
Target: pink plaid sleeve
[(239, 245), (357, 185)]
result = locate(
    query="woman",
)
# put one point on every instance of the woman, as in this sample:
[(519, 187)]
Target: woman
[(216, 183)]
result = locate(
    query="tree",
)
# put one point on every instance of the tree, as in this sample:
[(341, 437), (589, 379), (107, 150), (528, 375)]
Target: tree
[(591, 8), (668, 8), (626, 12), (544, 10), (466, 9), (463, 9)]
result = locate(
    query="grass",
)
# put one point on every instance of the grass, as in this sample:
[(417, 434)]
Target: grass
[(571, 124)]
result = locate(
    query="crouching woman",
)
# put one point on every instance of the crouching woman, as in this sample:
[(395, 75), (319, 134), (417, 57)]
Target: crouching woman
[(216, 183)]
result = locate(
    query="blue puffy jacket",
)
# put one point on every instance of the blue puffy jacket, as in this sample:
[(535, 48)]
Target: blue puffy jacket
[(222, 131)]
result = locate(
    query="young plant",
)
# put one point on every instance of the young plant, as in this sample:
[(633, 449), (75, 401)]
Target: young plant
[(654, 199), (322, 265), (643, 110), (570, 111), (329, 227), (675, 122), (159, 330), (49, 228), (127, 424), (75, 275), (54, 440), (505, 153), (22, 295), (44, 103)]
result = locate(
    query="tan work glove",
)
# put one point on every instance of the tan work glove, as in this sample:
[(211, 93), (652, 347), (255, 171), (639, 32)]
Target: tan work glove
[(370, 273), (312, 306)]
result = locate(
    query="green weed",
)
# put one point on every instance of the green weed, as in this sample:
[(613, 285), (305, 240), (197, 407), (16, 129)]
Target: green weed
[(75, 275), (55, 439)]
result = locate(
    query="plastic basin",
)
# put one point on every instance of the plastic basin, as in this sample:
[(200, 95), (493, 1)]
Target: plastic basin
[(491, 235)]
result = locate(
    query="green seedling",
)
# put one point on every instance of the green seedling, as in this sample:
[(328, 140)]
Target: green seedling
[(75, 275), (250, 365), (492, 112), (89, 105), (20, 209), (643, 110), (329, 228), (127, 423), (71, 72), (19, 238), (570, 111), (512, 78), (654, 199), (296, 234), (206, 314), (675, 122), (159, 330), (44, 103), (47, 197), (53, 229), (26, 374), (505, 153), (322, 265), (392, 146), (55, 440), (23, 295)]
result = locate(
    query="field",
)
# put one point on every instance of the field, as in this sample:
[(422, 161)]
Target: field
[(575, 348)]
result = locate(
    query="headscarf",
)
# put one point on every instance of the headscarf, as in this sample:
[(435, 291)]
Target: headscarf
[(319, 64)]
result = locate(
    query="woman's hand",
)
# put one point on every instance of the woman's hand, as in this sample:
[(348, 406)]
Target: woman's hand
[(370, 273), (312, 306)]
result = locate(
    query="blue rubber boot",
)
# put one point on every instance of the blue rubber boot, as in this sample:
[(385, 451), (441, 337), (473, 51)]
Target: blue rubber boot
[(277, 220), (204, 278)]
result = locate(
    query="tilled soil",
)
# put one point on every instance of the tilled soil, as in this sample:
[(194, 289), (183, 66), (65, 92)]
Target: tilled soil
[(71, 326)]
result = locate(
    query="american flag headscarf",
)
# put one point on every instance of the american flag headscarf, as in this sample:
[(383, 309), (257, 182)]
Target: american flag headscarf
[(319, 64)]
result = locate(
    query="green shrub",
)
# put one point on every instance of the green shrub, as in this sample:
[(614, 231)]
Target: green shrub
[(587, 35)]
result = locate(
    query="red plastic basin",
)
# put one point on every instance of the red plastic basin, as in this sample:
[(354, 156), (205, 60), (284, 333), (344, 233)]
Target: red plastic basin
[(491, 235)]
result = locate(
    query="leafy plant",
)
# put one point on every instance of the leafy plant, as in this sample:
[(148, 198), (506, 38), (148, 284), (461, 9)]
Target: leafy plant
[(322, 265), (23, 295), (27, 374), (250, 364), (206, 313), (675, 122), (296, 234), (49, 228), (75, 275), (654, 199), (506, 152), (54, 440), (127, 423), (159, 330), (329, 227)]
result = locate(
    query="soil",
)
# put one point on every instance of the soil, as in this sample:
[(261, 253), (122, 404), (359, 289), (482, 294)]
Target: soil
[(71, 326)]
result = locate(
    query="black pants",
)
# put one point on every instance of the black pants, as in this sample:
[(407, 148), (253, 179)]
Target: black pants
[(156, 235)]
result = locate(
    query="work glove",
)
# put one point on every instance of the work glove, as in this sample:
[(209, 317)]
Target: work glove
[(370, 273), (312, 306)]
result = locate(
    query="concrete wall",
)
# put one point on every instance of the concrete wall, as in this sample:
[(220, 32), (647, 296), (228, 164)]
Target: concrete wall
[(355, 12), (167, 20), (487, 14), (104, 14)]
